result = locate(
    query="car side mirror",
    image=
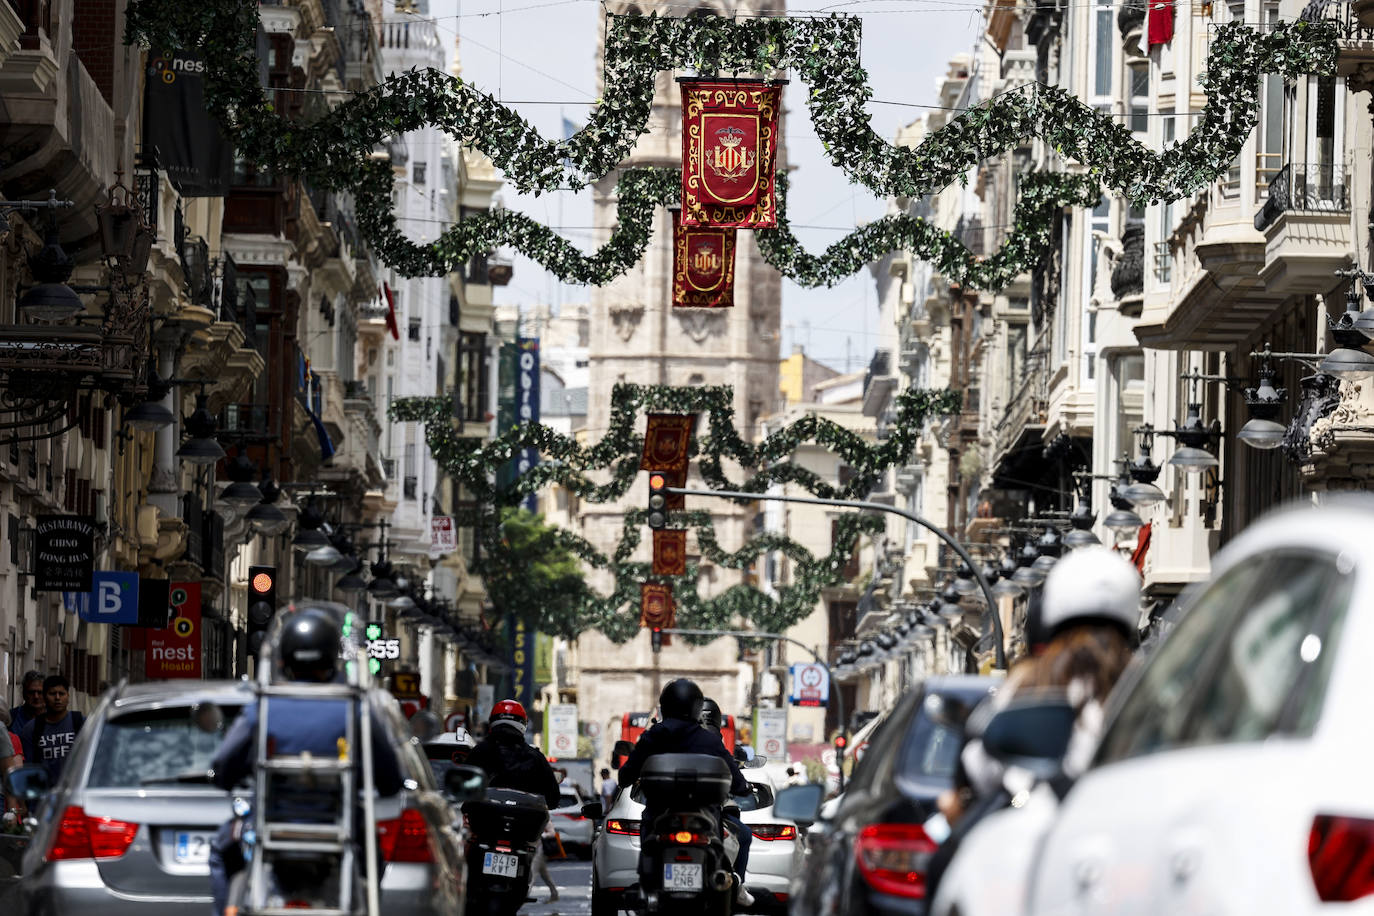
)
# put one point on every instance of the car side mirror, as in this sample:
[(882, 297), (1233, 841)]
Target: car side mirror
[(464, 783), (1032, 733), (800, 803), (619, 752), (29, 783), (592, 811)]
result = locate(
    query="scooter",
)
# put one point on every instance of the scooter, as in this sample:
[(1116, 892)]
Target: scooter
[(684, 864), (506, 828), (302, 880)]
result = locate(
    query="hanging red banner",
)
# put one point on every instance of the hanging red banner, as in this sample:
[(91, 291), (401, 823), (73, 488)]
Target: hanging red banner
[(675, 502), (655, 605), (1160, 25), (666, 438), (703, 266), (670, 552), (729, 151)]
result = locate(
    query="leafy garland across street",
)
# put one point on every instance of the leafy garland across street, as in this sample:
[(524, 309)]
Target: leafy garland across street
[(565, 461), (334, 150)]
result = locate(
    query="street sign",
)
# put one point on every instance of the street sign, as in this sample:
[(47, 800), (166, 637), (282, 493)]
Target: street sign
[(455, 721), (771, 732), (810, 685), (561, 725), (443, 537), (405, 685), (175, 651)]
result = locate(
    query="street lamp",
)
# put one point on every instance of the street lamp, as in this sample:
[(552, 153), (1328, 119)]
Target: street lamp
[(150, 415), (1191, 435), (265, 517), (309, 537), (241, 495), (1349, 360), (1263, 403), (201, 448), (1141, 489)]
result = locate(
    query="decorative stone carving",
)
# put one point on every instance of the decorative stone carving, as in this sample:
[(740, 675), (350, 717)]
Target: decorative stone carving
[(1128, 272), (1320, 397), (700, 324), (626, 319)]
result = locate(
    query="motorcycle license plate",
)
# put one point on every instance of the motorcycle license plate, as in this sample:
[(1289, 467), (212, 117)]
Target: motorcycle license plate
[(500, 864), (680, 877), (192, 848)]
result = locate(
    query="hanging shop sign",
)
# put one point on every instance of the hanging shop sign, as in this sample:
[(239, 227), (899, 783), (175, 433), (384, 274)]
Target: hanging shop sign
[(729, 150), (175, 650), (703, 265), (63, 553)]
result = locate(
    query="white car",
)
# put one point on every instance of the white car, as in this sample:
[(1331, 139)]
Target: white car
[(774, 856), (1232, 776), (574, 830)]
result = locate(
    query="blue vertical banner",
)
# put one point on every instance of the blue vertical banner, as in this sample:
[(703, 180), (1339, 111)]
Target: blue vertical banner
[(521, 661), (527, 404)]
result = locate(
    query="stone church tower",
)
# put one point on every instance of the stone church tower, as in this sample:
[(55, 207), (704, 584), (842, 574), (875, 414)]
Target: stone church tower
[(636, 336)]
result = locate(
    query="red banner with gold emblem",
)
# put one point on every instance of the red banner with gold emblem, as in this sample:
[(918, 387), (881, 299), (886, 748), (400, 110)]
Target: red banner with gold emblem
[(675, 502), (666, 439), (670, 552), (655, 605), (703, 266), (729, 151)]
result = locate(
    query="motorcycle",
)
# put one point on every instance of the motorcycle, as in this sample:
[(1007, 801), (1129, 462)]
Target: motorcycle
[(300, 880), (684, 862), (505, 830)]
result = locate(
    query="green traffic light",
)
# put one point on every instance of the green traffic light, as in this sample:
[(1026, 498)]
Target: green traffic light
[(374, 666), (374, 631)]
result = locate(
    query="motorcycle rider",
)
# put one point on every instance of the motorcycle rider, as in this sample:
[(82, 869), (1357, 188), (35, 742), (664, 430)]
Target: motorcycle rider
[(508, 761), (711, 720), (309, 653), (681, 732)]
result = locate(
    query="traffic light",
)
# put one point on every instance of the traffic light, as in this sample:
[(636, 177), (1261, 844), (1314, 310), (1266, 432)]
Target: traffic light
[(840, 742), (262, 605), (658, 501), (656, 639)]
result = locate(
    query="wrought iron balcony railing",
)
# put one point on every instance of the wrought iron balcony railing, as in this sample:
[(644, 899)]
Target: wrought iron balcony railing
[(1306, 187)]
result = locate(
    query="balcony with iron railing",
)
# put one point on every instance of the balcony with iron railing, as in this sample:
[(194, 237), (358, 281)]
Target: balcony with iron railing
[(879, 383), (1306, 225)]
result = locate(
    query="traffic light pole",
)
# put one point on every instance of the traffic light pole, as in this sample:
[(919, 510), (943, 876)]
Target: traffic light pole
[(999, 650), (751, 634)]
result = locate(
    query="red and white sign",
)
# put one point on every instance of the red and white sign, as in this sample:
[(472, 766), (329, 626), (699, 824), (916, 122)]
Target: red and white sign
[(443, 537), (455, 721), (175, 651)]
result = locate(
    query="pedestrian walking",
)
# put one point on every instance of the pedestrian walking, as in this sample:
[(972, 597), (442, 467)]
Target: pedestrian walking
[(608, 790), (48, 739), (32, 707), (795, 778), (11, 748)]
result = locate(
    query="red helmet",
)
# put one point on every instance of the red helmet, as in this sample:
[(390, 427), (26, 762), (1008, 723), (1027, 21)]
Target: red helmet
[(509, 712)]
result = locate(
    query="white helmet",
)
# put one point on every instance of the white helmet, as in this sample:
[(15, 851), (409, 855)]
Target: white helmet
[(1091, 582)]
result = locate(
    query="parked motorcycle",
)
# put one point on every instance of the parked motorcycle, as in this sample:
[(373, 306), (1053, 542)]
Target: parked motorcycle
[(684, 865), (505, 828)]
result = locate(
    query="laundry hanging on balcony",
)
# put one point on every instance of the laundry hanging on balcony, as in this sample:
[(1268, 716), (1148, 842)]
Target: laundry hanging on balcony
[(1160, 27)]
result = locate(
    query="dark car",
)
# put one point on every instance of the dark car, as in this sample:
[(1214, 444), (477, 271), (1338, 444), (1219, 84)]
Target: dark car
[(870, 859)]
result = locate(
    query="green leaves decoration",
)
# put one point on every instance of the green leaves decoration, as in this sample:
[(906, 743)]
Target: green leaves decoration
[(566, 462), (334, 150)]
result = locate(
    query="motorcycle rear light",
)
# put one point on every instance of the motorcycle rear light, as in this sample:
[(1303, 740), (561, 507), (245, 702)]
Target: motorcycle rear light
[(685, 838), (774, 831), (893, 858), (80, 836), (1340, 851), (405, 839), (571, 817), (629, 828)]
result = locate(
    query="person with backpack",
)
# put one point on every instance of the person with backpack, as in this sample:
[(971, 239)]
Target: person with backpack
[(48, 739)]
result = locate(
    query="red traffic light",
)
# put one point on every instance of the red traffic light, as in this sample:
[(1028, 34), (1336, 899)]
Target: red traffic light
[(262, 582), (841, 741), (657, 482)]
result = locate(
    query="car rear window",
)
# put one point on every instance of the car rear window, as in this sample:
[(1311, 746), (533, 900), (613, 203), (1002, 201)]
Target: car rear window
[(166, 746), (930, 751), (760, 796), (567, 800)]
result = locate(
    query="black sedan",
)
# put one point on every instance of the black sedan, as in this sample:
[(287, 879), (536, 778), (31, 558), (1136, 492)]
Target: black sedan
[(869, 858)]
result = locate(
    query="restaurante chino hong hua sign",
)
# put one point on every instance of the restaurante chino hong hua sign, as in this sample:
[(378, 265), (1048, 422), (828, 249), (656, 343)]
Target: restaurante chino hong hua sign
[(63, 553)]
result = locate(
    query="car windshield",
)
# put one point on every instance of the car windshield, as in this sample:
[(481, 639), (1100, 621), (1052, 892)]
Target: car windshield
[(157, 746), (567, 800)]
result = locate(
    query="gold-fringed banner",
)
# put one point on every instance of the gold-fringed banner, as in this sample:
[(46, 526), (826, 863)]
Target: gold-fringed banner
[(729, 151), (655, 605), (666, 440), (670, 552), (703, 266)]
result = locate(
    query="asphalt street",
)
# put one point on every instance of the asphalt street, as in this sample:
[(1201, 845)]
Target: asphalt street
[(574, 881)]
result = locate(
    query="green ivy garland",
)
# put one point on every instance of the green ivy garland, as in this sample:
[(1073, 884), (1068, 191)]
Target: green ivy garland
[(334, 150), (565, 462), (825, 53)]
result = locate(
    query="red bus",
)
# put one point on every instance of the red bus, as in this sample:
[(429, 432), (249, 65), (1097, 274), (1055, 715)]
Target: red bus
[(634, 724)]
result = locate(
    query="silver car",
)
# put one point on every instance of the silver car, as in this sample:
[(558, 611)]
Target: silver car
[(574, 830), (127, 829), (774, 857)]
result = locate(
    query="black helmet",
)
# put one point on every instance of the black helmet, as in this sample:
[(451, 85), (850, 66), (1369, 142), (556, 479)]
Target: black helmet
[(681, 699), (710, 714), (309, 646)]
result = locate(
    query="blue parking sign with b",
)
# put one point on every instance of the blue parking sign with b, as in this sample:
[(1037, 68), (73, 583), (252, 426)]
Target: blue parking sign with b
[(113, 598)]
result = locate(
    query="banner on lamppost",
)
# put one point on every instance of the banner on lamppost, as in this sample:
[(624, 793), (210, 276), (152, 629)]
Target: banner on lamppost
[(729, 151), (527, 404), (63, 553)]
